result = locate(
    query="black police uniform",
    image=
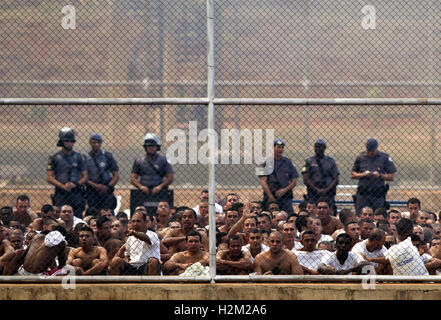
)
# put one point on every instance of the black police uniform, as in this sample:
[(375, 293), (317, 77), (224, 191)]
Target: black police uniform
[(371, 192), (99, 169), (321, 173), (283, 172), (151, 173), (68, 168)]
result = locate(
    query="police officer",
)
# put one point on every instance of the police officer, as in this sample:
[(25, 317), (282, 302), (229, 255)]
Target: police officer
[(320, 175), (372, 168), (103, 173), (67, 171), (154, 171), (279, 181)]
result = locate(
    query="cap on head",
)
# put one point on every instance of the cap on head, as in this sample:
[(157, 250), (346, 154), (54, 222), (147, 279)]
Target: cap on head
[(279, 142), (371, 144), (66, 133), (151, 139), (320, 141), (96, 136)]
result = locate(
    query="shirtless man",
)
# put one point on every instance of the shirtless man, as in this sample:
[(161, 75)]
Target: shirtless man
[(47, 211), (277, 261), (49, 223), (28, 238), (6, 215), (163, 212), (233, 261), (112, 247), (173, 224), (23, 212), (243, 226), (16, 239), (175, 239), (87, 258), (180, 261), (41, 253), (329, 224), (104, 230), (5, 248), (264, 221), (231, 218)]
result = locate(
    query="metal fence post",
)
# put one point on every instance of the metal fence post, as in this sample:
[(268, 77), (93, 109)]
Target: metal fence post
[(211, 137)]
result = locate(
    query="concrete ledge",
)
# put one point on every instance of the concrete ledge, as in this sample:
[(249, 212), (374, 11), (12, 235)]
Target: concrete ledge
[(224, 291)]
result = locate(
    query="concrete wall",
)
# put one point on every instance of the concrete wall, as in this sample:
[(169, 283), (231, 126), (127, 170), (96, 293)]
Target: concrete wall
[(238, 291)]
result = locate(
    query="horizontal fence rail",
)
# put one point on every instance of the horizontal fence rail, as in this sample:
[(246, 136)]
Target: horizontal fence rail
[(220, 279), (221, 101)]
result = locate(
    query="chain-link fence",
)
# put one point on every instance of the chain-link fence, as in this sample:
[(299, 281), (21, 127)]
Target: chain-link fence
[(279, 49)]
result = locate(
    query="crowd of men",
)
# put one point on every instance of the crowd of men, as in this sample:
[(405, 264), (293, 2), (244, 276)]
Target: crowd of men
[(250, 239), (80, 230)]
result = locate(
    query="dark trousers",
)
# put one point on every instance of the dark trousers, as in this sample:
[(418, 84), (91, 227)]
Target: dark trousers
[(98, 201), (362, 201), (139, 198), (285, 202), (74, 198)]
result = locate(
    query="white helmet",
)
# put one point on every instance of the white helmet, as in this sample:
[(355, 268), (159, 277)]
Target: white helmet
[(152, 139), (65, 133)]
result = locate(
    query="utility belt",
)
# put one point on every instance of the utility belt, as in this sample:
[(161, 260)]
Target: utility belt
[(139, 198), (288, 195), (330, 193), (376, 192), (89, 188), (78, 189)]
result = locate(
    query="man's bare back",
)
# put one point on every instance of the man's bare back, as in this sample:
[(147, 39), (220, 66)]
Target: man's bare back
[(6, 251), (5, 247), (40, 257), (37, 224)]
